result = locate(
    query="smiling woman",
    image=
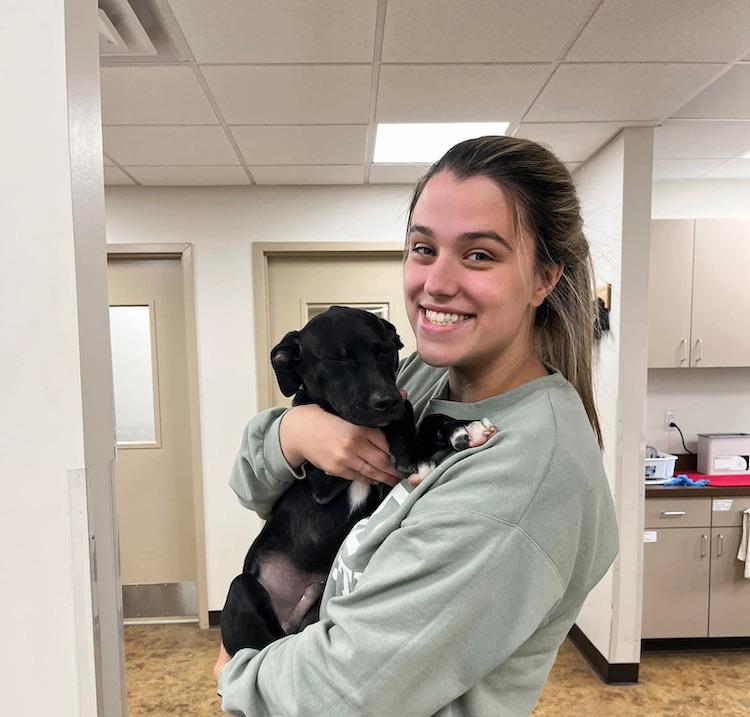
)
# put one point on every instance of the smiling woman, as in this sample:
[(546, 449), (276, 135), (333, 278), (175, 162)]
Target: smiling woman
[(467, 583)]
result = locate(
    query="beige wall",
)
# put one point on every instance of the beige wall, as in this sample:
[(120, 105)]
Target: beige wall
[(221, 223), (615, 191)]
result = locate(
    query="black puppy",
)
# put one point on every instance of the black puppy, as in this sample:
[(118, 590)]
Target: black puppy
[(345, 361)]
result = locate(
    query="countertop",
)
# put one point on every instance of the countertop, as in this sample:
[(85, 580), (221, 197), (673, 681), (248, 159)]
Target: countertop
[(678, 491)]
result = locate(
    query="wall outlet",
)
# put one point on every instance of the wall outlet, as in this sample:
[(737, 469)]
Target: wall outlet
[(669, 417)]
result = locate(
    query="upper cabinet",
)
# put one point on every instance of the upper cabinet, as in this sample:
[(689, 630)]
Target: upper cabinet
[(699, 300)]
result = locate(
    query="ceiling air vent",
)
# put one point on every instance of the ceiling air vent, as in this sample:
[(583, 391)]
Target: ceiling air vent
[(138, 31), (121, 32)]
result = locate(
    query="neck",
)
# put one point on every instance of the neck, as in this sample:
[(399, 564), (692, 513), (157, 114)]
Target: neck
[(472, 384)]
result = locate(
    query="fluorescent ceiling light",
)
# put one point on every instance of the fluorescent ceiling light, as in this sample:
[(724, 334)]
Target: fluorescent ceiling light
[(426, 143), (746, 155)]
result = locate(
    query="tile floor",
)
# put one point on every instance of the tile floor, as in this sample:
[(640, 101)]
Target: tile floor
[(169, 673)]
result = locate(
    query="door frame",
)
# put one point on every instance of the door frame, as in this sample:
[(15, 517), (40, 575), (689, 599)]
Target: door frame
[(184, 252), (262, 252)]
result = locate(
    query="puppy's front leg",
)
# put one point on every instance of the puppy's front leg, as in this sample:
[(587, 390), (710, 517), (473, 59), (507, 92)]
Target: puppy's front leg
[(403, 443)]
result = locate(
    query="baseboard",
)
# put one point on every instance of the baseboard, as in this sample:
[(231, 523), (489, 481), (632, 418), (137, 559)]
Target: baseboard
[(214, 618), (611, 673), (694, 644)]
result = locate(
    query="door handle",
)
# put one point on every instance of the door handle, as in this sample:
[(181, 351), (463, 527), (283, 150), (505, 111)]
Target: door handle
[(704, 545), (698, 349), (672, 513), (720, 546), (683, 344)]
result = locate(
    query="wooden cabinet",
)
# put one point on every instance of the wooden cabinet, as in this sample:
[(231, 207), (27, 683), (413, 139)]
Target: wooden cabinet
[(699, 293), (693, 584)]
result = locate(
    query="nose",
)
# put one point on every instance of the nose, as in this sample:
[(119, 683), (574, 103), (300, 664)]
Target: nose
[(440, 279), (381, 402)]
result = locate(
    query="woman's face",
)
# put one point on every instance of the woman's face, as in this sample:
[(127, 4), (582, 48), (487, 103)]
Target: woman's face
[(465, 260)]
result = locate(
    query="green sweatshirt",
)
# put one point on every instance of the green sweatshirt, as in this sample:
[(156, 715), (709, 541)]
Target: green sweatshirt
[(453, 598)]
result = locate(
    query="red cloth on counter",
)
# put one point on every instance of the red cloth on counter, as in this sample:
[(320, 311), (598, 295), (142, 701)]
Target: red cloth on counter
[(719, 481)]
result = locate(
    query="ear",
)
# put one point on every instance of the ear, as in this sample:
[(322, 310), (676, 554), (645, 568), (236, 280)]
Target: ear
[(392, 334), (548, 278), (285, 359)]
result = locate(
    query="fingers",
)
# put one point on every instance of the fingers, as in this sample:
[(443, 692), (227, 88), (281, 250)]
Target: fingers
[(375, 467)]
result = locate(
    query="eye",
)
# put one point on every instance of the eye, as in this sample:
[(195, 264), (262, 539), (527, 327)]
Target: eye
[(422, 250), (481, 256)]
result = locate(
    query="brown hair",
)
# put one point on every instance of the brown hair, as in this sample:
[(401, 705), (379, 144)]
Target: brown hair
[(546, 205)]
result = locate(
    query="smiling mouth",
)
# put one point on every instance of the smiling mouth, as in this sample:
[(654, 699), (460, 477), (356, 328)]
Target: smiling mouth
[(440, 318)]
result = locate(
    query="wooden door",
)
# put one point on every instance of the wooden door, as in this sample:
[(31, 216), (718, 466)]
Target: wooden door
[(154, 470), (721, 293), (670, 292), (675, 583), (729, 615)]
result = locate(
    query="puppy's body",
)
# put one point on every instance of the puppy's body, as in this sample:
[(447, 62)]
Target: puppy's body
[(345, 361)]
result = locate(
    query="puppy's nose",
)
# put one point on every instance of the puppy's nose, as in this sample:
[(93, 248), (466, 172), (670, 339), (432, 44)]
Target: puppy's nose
[(384, 403)]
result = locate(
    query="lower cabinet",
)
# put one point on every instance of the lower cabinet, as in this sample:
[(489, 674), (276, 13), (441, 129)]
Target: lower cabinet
[(693, 583)]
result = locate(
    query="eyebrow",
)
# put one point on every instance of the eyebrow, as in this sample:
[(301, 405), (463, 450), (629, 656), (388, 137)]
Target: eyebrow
[(466, 236)]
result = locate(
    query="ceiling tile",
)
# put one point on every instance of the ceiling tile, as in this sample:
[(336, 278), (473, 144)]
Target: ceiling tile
[(665, 30), (199, 176), (278, 30), (683, 168), (322, 144), (115, 176), (727, 98), (396, 173), (153, 95), (481, 30), (701, 140), (570, 142), (279, 94), (139, 146), (457, 93), (736, 169), (309, 174), (619, 91)]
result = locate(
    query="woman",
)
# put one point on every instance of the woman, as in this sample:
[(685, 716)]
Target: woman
[(454, 598)]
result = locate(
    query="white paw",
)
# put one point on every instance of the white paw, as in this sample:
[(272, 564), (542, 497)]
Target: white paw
[(423, 470), (474, 434)]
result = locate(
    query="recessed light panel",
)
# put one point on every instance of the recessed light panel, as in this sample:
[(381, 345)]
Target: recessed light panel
[(427, 142)]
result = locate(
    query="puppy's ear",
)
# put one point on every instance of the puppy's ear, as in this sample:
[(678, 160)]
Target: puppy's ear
[(392, 334), (285, 359)]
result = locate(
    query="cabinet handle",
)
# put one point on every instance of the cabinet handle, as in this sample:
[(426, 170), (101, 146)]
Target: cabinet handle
[(698, 349), (704, 545), (720, 546), (683, 344), (672, 513)]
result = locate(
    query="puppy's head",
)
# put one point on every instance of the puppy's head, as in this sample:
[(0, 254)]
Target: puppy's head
[(346, 359)]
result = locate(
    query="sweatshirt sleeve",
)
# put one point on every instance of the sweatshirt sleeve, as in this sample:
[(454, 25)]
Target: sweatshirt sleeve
[(261, 473), (446, 598)]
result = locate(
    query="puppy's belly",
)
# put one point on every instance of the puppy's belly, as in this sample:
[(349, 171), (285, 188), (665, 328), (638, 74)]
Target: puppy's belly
[(285, 584)]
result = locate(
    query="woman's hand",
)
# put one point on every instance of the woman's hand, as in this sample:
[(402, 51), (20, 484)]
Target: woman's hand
[(340, 448), (223, 659)]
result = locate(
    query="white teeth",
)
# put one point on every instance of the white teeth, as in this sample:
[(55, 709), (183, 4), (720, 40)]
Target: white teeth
[(438, 317)]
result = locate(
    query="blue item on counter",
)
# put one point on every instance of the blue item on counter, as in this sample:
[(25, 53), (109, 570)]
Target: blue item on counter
[(682, 479)]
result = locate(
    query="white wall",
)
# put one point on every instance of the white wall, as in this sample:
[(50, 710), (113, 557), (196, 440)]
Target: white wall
[(614, 187), (221, 224), (689, 198), (60, 637), (706, 400)]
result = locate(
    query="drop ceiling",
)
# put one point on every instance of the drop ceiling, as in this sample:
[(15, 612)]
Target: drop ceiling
[(290, 91)]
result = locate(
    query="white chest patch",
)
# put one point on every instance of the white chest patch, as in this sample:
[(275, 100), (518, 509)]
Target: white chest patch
[(357, 494)]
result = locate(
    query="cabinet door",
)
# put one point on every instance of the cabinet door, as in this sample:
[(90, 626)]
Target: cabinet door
[(670, 291), (729, 615), (721, 293), (675, 583)]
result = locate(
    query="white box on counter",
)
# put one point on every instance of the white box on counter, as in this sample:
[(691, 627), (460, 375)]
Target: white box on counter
[(724, 453)]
